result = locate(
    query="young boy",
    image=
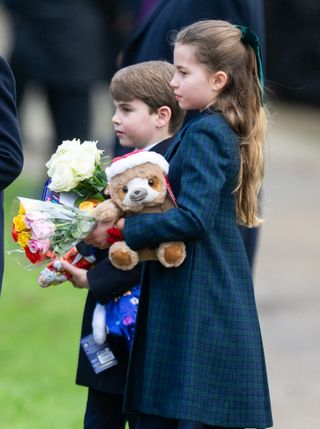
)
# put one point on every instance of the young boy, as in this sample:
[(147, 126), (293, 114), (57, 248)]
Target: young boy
[(146, 117)]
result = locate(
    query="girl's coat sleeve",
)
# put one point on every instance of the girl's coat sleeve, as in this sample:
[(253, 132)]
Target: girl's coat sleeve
[(205, 155)]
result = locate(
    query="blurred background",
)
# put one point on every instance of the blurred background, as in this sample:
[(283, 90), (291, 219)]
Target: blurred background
[(40, 328)]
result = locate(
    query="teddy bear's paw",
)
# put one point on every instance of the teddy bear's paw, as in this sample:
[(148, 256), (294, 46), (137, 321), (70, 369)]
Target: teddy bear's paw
[(122, 257), (171, 254), (107, 211)]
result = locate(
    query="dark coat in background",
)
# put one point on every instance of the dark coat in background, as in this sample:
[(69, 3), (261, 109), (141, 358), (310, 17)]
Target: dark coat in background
[(60, 43), (151, 40), (63, 47), (11, 157), (293, 60)]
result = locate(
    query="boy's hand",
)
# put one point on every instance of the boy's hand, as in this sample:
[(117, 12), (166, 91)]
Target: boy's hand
[(120, 223), (98, 237), (79, 277)]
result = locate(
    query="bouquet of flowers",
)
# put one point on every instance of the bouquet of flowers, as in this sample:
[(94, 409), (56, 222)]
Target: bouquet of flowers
[(76, 178), (45, 230)]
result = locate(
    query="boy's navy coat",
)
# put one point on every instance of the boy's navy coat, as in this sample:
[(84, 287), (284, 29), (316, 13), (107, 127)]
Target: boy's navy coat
[(197, 352), (105, 282), (11, 158)]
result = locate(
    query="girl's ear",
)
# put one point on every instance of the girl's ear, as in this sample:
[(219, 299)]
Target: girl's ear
[(107, 191), (164, 116), (218, 80)]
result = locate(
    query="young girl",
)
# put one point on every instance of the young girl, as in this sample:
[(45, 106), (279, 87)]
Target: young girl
[(197, 359)]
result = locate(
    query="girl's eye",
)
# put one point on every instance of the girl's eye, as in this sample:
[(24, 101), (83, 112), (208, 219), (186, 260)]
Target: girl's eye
[(125, 189), (150, 182)]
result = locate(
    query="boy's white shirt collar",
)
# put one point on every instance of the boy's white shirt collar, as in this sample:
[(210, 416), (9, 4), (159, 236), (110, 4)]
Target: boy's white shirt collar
[(147, 148)]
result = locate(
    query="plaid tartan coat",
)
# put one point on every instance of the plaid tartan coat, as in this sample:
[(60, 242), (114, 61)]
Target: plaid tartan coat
[(197, 353)]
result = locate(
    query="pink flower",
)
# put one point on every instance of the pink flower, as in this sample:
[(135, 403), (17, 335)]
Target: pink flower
[(34, 217), (42, 229), (41, 246)]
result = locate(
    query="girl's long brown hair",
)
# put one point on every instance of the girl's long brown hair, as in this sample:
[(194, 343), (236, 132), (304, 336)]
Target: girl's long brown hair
[(219, 47)]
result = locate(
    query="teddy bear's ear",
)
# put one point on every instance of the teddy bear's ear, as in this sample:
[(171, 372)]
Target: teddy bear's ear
[(107, 191)]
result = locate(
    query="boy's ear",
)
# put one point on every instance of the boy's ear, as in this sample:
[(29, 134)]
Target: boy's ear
[(107, 191), (164, 116), (219, 80)]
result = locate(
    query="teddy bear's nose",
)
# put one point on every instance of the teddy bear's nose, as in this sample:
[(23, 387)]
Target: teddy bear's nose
[(138, 194)]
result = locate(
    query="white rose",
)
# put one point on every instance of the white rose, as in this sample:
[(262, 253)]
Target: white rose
[(64, 154), (84, 160), (82, 166), (67, 147), (91, 148), (63, 178)]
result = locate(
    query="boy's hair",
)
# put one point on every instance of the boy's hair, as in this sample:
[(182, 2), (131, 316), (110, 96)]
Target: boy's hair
[(219, 46), (149, 82)]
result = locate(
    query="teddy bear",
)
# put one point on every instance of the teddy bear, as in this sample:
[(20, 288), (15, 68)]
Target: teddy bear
[(137, 183)]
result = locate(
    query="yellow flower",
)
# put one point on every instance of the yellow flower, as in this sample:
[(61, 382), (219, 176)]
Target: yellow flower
[(88, 205), (19, 224), (23, 238), (21, 210)]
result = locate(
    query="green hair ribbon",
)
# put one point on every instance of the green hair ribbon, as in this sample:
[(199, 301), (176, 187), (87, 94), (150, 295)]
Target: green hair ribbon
[(249, 37)]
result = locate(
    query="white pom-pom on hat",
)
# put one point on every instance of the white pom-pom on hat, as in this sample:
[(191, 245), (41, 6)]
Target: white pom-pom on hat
[(132, 159)]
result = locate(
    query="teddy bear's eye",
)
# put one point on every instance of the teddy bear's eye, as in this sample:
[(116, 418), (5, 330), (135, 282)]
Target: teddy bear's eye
[(125, 189), (150, 182)]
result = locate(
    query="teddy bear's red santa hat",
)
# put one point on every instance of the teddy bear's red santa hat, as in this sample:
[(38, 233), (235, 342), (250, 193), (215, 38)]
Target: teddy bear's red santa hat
[(135, 158)]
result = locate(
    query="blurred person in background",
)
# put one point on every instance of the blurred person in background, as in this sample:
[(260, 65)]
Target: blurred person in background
[(11, 156), (145, 8), (65, 47), (151, 41)]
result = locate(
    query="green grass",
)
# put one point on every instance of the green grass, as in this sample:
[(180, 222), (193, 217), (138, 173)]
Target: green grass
[(39, 340)]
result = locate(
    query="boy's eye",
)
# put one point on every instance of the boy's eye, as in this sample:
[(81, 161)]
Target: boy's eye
[(151, 182), (125, 189)]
